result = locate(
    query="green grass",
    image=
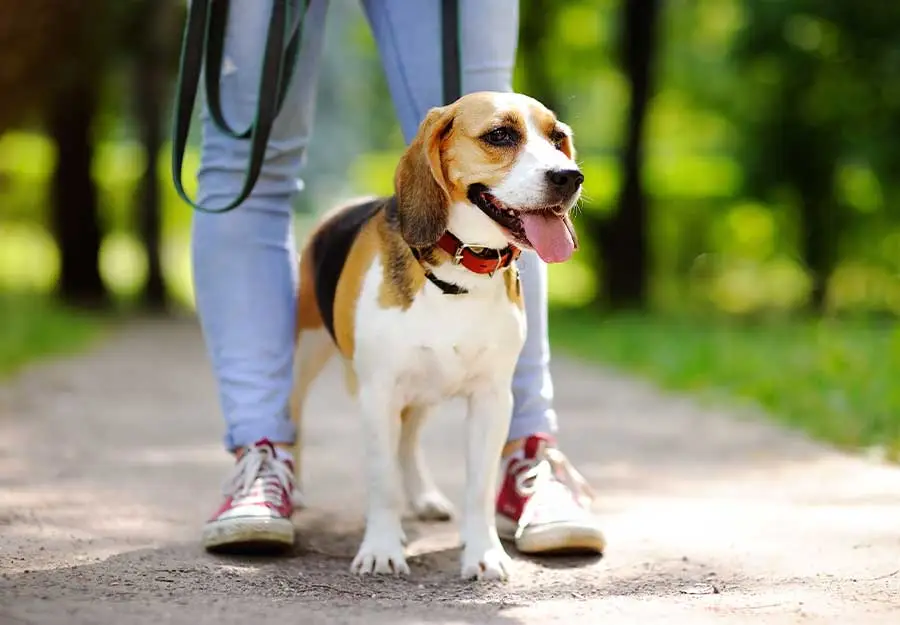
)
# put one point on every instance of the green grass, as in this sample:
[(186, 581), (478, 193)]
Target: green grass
[(837, 380), (32, 328)]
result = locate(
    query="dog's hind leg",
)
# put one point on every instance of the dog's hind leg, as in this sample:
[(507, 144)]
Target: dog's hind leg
[(427, 501), (314, 349)]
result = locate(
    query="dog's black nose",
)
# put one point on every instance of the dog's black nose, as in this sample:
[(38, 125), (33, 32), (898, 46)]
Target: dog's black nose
[(566, 181)]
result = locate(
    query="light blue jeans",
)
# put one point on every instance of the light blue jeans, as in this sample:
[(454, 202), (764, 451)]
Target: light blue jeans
[(244, 261)]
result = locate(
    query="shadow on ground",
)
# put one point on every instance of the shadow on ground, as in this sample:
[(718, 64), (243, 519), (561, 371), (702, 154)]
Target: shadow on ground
[(314, 581)]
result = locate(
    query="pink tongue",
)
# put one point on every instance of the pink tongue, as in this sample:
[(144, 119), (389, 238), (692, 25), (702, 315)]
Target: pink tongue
[(549, 236)]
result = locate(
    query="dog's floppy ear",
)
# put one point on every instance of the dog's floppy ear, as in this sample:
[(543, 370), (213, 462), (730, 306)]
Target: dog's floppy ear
[(423, 195)]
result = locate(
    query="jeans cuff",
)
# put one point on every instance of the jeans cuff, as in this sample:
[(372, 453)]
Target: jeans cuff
[(277, 430), (543, 422)]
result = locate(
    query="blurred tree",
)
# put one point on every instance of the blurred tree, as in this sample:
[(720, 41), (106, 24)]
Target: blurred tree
[(151, 43), (57, 58), (623, 235), (71, 79), (75, 217), (821, 78), (36, 36)]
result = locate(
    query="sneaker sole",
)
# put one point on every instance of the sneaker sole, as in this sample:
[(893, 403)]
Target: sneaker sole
[(248, 534), (553, 539)]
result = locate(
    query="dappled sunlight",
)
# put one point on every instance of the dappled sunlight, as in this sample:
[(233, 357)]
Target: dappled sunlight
[(29, 258), (864, 285), (123, 263), (83, 521), (740, 286), (859, 187), (571, 284), (29, 261), (171, 456), (26, 156)]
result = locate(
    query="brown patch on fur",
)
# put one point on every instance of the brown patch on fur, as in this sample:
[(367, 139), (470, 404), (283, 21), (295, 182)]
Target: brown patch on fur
[(404, 276), (469, 159), (402, 280), (513, 286), (308, 315), (545, 120), (472, 154), (351, 381), (567, 146), (363, 252)]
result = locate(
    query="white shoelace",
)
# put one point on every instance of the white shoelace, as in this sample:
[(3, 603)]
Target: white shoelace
[(550, 466), (255, 463)]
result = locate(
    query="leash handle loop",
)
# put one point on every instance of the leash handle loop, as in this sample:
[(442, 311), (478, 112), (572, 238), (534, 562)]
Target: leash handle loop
[(204, 39)]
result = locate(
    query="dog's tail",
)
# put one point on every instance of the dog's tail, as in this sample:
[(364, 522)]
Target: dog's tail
[(313, 349)]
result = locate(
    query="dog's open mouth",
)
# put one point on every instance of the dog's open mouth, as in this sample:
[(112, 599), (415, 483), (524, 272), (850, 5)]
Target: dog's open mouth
[(548, 231)]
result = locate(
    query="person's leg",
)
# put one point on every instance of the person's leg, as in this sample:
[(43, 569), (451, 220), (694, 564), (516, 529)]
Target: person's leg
[(244, 261), (408, 38)]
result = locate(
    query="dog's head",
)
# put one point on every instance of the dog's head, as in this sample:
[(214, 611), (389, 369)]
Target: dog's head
[(503, 154)]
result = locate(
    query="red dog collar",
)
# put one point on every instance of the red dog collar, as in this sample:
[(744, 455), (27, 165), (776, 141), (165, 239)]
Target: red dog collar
[(476, 258)]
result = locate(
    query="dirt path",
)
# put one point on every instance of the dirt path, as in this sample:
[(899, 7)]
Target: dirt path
[(109, 462)]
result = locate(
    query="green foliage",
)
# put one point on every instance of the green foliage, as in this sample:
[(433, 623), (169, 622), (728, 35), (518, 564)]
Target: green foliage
[(833, 379), (761, 105), (816, 119), (28, 257), (34, 328)]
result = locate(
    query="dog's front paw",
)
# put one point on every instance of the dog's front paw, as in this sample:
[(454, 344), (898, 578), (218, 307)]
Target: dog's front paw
[(490, 563), (433, 506), (381, 552)]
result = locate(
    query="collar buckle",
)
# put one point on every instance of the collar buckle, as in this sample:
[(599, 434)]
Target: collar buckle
[(499, 264), (458, 254), (462, 247), (457, 258)]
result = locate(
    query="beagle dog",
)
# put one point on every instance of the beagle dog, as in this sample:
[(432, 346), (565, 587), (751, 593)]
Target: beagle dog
[(420, 295)]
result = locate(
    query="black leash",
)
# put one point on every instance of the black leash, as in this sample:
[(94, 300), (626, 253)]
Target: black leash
[(452, 91), (450, 50), (447, 288), (204, 36), (204, 39)]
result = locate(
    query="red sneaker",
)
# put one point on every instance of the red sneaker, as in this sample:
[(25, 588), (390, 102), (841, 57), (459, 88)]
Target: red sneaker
[(256, 513), (544, 502)]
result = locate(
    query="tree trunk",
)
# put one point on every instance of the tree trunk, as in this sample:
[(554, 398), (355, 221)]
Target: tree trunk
[(818, 246), (810, 158), (150, 81), (76, 220), (623, 237), (813, 159)]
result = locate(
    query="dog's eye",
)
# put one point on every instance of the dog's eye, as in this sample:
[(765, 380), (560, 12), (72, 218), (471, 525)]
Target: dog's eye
[(557, 138), (503, 137)]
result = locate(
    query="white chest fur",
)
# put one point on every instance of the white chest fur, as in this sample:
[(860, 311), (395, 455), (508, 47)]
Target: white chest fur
[(442, 345)]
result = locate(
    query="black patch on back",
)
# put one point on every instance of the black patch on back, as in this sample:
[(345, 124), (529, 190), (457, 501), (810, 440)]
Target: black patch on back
[(330, 250)]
